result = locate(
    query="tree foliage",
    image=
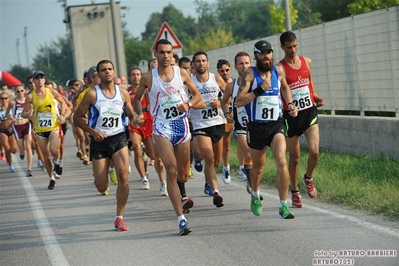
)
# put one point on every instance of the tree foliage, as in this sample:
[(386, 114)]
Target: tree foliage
[(331, 9), (212, 39), (54, 59), (249, 19), (363, 6), (20, 72), (306, 16), (136, 50), (278, 17)]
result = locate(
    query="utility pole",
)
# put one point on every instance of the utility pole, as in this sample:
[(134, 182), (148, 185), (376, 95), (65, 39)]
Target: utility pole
[(48, 55), (26, 44), (118, 52), (287, 15), (19, 59)]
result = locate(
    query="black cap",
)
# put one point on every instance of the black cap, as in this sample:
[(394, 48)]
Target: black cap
[(37, 73), (262, 45)]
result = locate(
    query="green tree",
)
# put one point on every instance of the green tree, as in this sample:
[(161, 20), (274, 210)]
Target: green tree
[(249, 19), (20, 72), (306, 17), (212, 39), (183, 27), (362, 6), (331, 9), (56, 60), (136, 50), (277, 13)]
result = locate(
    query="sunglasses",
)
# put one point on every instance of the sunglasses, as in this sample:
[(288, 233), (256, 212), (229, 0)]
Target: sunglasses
[(40, 77), (30, 82), (19, 91), (3, 98)]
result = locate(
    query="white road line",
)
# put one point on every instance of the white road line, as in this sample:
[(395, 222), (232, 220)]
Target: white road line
[(370, 225), (53, 249)]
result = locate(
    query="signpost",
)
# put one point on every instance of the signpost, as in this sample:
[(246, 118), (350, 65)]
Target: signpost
[(166, 33)]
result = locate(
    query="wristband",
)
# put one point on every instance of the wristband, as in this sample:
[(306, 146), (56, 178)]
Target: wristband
[(258, 91), (291, 103), (189, 105), (226, 114)]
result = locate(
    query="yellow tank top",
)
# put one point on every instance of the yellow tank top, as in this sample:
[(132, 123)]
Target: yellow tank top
[(45, 118), (81, 95)]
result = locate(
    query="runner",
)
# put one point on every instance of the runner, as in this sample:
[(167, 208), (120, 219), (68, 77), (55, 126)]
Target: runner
[(260, 92), (41, 107), (107, 105), (169, 103)]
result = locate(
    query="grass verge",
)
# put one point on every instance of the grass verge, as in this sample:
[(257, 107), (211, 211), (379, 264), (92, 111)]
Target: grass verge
[(354, 181)]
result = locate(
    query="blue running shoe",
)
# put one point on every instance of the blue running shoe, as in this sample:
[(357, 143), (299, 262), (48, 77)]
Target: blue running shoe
[(208, 190), (12, 170), (198, 165), (183, 228)]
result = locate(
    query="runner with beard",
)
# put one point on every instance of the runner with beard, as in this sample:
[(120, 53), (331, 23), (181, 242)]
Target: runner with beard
[(260, 92)]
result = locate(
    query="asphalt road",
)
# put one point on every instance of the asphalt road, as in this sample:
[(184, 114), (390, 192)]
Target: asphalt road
[(73, 225)]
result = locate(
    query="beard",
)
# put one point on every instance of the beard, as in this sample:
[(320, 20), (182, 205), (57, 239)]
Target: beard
[(200, 71), (264, 67)]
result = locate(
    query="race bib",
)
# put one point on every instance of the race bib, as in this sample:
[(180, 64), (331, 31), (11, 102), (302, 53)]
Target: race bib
[(267, 108), (18, 113), (110, 117), (44, 120), (242, 116), (301, 98), (168, 106)]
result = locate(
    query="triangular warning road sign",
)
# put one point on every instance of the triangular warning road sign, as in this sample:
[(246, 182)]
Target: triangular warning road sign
[(167, 33)]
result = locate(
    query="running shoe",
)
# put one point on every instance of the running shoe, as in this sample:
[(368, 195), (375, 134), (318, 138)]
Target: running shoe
[(87, 151), (152, 162), (56, 175), (12, 170), (29, 173), (51, 185), (296, 200), (85, 160), (22, 156), (162, 189), (79, 154), (105, 193), (226, 177), (187, 204), (2, 157), (120, 225), (58, 169), (249, 189), (112, 176), (217, 200), (208, 190), (129, 170), (310, 189), (145, 185), (183, 228), (241, 174), (39, 164), (285, 213), (198, 165), (256, 205), (190, 174)]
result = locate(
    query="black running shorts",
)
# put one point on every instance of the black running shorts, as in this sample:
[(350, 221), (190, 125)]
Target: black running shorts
[(107, 147)]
